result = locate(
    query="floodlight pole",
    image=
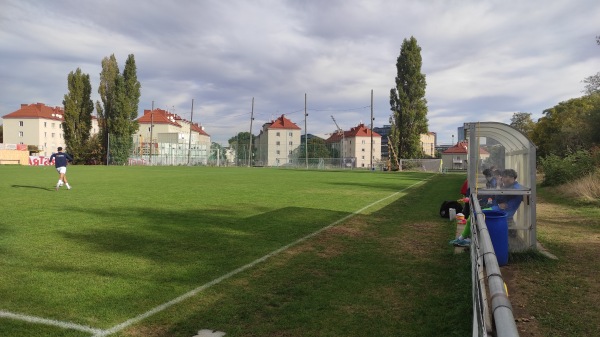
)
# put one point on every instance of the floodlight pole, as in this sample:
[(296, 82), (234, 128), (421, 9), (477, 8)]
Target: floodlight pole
[(151, 131), (305, 133), (190, 140), (250, 142), (372, 119)]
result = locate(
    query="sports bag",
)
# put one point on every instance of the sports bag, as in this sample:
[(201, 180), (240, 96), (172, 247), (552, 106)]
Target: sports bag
[(446, 205)]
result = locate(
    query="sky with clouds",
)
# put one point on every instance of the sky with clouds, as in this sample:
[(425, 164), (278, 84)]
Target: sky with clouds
[(483, 60)]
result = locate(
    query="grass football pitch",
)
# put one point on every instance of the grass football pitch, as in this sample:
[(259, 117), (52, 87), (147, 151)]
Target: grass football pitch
[(169, 251)]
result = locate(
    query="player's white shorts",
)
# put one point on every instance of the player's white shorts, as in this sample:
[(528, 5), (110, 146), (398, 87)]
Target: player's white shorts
[(62, 169)]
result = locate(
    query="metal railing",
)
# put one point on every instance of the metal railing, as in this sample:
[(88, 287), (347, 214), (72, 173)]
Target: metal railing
[(493, 303)]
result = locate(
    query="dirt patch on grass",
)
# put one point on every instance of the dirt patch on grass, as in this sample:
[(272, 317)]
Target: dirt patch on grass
[(148, 331), (416, 239)]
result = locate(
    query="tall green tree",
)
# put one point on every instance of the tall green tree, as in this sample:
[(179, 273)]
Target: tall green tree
[(316, 149), (566, 128), (522, 121), (78, 107), (1, 134), (408, 103), (239, 143), (120, 98)]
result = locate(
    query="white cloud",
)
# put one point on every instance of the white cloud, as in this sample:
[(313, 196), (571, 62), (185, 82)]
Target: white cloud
[(482, 59)]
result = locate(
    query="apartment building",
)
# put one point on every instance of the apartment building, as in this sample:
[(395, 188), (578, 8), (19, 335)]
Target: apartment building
[(355, 146), (39, 125), (168, 133), (276, 142)]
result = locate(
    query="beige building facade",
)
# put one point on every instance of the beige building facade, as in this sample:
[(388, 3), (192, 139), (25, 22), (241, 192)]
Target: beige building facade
[(428, 144), (356, 148), (163, 133), (39, 125), (276, 142)]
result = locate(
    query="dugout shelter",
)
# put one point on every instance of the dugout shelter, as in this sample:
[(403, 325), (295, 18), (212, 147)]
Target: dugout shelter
[(509, 149)]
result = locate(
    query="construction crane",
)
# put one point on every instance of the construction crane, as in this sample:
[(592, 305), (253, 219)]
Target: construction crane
[(340, 132)]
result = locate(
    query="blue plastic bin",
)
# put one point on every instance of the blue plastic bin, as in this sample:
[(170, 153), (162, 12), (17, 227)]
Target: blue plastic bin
[(497, 225)]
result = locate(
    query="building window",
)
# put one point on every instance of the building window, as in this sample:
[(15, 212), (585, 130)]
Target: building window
[(21, 133), (363, 149), (290, 143), (278, 152), (45, 135), (363, 158), (291, 134), (278, 134), (364, 141), (20, 123), (53, 125), (45, 124), (52, 134), (277, 143)]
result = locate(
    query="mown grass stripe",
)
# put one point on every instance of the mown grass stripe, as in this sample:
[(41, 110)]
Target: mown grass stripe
[(218, 280)]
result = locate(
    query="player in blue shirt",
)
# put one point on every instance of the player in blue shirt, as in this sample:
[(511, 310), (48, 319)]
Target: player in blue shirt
[(60, 162), (509, 203)]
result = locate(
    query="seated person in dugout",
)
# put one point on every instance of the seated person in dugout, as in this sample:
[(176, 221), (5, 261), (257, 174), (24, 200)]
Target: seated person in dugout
[(506, 203), (509, 203)]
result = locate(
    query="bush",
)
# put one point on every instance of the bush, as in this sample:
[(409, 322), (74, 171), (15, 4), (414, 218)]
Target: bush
[(558, 171)]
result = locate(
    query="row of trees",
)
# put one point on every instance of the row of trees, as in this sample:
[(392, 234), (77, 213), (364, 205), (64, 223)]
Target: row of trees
[(117, 113), (567, 127), (567, 136)]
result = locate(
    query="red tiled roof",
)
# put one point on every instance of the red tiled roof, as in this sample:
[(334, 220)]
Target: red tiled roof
[(196, 128), (159, 116), (38, 110), (358, 131), (283, 123), (462, 148)]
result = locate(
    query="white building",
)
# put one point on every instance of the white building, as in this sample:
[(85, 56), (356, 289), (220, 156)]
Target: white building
[(355, 146), (38, 125), (170, 135), (276, 142), (456, 157)]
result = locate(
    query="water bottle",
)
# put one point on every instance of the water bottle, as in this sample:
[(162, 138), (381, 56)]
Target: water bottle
[(452, 213)]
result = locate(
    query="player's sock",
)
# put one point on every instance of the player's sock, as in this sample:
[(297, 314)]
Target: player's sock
[(68, 186)]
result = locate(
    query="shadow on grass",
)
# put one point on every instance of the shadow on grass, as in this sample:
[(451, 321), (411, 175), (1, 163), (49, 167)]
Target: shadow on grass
[(397, 277), (390, 272), (34, 187), (193, 245)]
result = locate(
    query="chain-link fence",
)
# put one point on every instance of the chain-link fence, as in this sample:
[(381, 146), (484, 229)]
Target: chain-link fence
[(424, 165), (171, 151), (163, 152)]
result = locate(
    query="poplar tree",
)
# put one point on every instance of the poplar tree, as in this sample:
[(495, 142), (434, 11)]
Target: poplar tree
[(78, 107), (408, 104), (120, 96)]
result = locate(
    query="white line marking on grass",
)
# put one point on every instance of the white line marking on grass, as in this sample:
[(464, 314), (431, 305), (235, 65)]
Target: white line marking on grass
[(46, 321), (119, 327), (205, 286)]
